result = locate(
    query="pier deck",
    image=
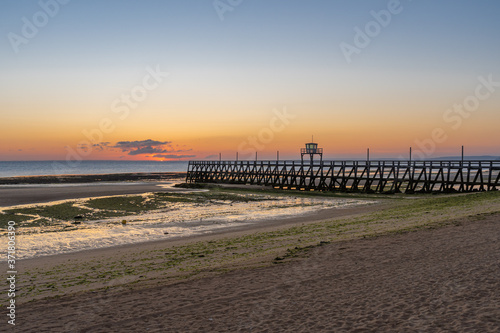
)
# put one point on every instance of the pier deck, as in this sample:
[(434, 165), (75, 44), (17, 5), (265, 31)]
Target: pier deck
[(353, 176)]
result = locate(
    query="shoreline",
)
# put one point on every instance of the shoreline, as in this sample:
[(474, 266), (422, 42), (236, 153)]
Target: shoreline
[(40, 195), (260, 225), (66, 268), (91, 178)]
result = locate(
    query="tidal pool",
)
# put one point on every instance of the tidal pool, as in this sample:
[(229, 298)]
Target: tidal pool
[(75, 225)]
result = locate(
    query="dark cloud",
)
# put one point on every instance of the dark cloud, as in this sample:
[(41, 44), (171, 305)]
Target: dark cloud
[(170, 156), (162, 149), (210, 157), (102, 144), (147, 150), (142, 147), (128, 145), (83, 147)]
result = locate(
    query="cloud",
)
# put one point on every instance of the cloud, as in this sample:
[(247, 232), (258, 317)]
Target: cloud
[(100, 146), (171, 156), (211, 156), (83, 147), (159, 149), (178, 150), (147, 150), (142, 147), (128, 145)]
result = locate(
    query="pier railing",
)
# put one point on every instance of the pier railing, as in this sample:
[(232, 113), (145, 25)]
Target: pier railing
[(357, 176)]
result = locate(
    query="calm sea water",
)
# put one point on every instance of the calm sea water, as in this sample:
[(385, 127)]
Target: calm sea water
[(42, 168)]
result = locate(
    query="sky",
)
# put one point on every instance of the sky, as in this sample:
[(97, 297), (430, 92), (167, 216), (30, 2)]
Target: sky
[(189, 79)]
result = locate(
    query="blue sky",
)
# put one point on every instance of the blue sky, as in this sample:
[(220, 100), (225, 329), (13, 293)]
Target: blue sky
[(264, 54), (102, 33)]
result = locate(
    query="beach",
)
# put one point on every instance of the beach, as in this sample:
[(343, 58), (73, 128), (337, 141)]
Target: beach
[(427, 281), (406, 263)]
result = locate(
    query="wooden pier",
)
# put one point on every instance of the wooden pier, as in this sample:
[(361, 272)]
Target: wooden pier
[(353, 176)]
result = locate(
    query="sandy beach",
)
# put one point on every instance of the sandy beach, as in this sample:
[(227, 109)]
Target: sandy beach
[(428, 281), (396, 266)]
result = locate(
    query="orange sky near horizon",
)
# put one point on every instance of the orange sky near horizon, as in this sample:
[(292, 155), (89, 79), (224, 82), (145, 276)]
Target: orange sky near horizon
[(340, 135), (344, 127)]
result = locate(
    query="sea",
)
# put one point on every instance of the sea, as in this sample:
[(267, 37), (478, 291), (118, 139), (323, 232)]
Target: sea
[(85, 167), (51, 168)]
